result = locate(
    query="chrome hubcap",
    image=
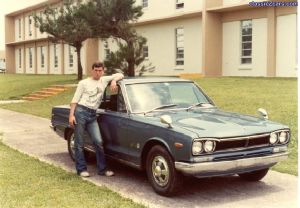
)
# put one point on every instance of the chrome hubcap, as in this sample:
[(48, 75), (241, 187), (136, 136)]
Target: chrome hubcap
[(160, 170), (72, 144)]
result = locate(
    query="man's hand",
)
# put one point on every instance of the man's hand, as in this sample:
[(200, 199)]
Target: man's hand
[(72, 121), (113, 85)]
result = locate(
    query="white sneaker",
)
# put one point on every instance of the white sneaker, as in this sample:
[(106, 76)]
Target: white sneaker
[(84, 174)]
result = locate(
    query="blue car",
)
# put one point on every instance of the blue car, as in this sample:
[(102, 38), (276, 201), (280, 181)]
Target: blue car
[(170, 128)]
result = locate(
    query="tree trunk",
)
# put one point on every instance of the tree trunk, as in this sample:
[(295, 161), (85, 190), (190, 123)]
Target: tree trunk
[(79, 66), (130, 61)]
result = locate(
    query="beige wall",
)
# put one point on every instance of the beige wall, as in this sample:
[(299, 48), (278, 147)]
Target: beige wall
[(286, 42), (161, 46), (232, 2), (157, 9), (232, 49)]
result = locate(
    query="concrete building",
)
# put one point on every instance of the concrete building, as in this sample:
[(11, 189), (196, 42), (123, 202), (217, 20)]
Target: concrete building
[(194, 37)]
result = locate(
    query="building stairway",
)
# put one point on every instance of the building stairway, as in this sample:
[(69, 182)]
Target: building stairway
[(46, 92)]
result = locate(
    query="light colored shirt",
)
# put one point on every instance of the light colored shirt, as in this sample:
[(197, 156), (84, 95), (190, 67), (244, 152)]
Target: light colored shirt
[(89, 92)]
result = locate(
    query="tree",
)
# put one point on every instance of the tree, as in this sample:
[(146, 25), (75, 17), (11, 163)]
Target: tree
[(77, 20), (118, 17), (121, 58), (68, 24)]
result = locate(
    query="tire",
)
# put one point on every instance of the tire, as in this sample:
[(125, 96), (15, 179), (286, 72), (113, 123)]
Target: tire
[(255, 175), (71, 144), (89, 157), (161, 172)]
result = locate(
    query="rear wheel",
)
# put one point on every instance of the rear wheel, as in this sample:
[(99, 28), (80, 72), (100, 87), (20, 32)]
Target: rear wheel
[(161, 171), (71, 144), (254, 175), (71, 147)]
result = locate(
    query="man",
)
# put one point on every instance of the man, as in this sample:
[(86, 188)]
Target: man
[(82, 116)]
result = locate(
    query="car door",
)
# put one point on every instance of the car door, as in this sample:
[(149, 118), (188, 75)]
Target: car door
[(111, 121)]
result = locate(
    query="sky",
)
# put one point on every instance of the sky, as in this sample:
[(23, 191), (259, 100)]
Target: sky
[(8, 6)]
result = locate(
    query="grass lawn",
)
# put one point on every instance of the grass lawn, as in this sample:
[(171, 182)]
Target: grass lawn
[(15, 86), (27, 182), (238, 94)]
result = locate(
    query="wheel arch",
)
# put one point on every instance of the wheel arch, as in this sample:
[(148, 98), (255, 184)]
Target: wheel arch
[(147, 147)]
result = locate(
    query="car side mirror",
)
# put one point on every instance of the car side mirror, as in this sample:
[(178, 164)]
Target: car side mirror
[(166, 119), (262, 112)]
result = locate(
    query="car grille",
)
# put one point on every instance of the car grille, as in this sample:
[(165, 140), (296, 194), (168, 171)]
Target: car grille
[(242, 142)]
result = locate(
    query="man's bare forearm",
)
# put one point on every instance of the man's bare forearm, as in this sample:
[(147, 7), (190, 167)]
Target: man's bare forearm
[(72, 109)]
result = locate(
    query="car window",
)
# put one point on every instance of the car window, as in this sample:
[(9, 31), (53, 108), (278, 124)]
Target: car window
[(113, 100), (146, 96)]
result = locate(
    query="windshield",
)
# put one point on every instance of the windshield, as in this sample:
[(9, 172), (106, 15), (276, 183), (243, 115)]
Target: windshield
[(145, 97)]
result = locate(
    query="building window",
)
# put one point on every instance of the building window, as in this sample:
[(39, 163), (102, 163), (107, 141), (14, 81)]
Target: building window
[(179, 33), (42, 57), (106, 50), (145, 52), (246, 53), (71, 57), (30, 25), (30, 57), (144, 3), (20, 58), (19, 26), (179, 4), (55, 56)]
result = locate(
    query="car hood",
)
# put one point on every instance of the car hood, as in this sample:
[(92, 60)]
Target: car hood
[(212, 122)]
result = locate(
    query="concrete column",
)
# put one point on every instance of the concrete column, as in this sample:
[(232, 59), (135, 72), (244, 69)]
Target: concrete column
[(212, 41), (271, 44)]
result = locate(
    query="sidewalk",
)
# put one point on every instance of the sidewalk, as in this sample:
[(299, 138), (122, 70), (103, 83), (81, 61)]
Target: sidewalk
[(32, 135)]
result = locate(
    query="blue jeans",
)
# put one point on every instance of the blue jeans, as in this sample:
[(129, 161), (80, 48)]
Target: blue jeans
[(86, 120)]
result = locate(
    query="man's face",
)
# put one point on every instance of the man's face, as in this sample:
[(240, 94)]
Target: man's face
[(97, 72)]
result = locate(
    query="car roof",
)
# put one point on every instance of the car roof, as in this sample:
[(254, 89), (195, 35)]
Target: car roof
[(136, 80)]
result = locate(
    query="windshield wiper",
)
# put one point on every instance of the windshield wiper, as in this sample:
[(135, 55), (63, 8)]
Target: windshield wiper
[(196, 105), (161, 107)]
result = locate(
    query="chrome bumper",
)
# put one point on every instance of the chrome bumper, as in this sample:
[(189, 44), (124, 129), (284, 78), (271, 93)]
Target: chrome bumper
[(206, 169)]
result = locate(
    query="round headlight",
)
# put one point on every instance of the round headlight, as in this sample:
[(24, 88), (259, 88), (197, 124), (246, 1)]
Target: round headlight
[(197, 148), (209, 146), (283, 137), (273, 138)]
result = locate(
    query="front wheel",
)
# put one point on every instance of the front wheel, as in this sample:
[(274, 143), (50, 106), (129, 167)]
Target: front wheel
[(254, 175), (161, 171)]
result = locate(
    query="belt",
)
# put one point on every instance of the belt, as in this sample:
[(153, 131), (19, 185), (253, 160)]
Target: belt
[(86, 108)]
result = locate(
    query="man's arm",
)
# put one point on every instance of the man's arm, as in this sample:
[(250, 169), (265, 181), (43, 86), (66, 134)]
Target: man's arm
[(72, 119), (116, 77), (73, 104)]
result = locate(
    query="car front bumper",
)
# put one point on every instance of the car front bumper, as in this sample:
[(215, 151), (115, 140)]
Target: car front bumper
[(209, 169)]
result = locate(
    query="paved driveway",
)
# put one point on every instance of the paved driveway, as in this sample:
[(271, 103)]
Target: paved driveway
[(32, 135)]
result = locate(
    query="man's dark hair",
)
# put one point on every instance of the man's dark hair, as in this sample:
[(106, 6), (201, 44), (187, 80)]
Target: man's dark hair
[(97, 64)]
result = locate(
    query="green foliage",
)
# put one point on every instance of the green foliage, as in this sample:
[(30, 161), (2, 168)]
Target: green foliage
[(120, 58), (117, 17), (77, 20), (69, 24)]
